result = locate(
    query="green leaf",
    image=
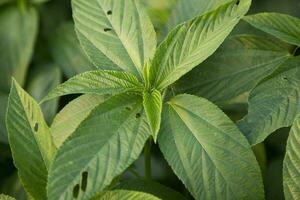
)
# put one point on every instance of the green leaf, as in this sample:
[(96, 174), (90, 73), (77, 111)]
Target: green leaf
[(42, 79), (240, 63), (5, 197), (124, 195), (17, 36), (151, 187), (152, 102), (3, 108), (107, 142), (70, 117), (273, 103), (116, 34), (291, 164), (191, 43), (97, 82), (67, 52), (284, 27), (207, 151), (185, 10), (29, 137)]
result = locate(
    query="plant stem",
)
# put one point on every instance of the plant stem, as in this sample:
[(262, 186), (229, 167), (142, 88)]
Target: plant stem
[(147, 159)]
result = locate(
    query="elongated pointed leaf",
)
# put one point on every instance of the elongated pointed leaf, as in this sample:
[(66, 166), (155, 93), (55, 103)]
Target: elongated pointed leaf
[(282, 26), (97, 82), (273, 103), (116, 34), (153, 106), (191, 43), (17, 36), (207, 151), (30, 141), (124, 195), (185, 10), (291, 164), (151, 187), (107, 142), (67, 52), (70, 117), (240, 63)]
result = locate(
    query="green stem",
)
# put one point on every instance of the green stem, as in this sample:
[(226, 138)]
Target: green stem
[(147, 157)]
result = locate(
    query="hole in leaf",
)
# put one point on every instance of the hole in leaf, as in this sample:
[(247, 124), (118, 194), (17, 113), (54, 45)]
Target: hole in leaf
[(84, 180), (36, 127), (128, 108), (237, 3), (109, 12), (284, 78), (138, 115), (107, 29), (76, 191)]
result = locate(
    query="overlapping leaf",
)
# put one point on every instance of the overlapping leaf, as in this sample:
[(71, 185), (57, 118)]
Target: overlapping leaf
[(240, 63), (291, 164), (273, 103), (116, 34), (67, 52), (153, 107), (282, 26), (207, 151), (17, 36), (191, 43), (107, 142), (30, 141), (97, 82), (70, 117)]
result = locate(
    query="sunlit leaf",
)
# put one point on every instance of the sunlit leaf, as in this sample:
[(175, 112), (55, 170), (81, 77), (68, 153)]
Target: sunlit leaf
[(107, 142), (191, 43), (116, 34), (207, 151)]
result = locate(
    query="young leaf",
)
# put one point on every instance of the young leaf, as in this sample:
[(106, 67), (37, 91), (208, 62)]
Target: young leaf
[(124, 194), (153, 106), (273, 103), (240, 63), (191, 43), (70, 117), (97, 82), (17, 36), (116, 34), (151, 187), (282, 26), (207, 151), (185, 10), (291, 164), (67, 52), (108, 141), (30, 141)]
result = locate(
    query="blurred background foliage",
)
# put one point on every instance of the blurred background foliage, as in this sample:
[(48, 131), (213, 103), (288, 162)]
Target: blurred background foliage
[(39, 48)]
